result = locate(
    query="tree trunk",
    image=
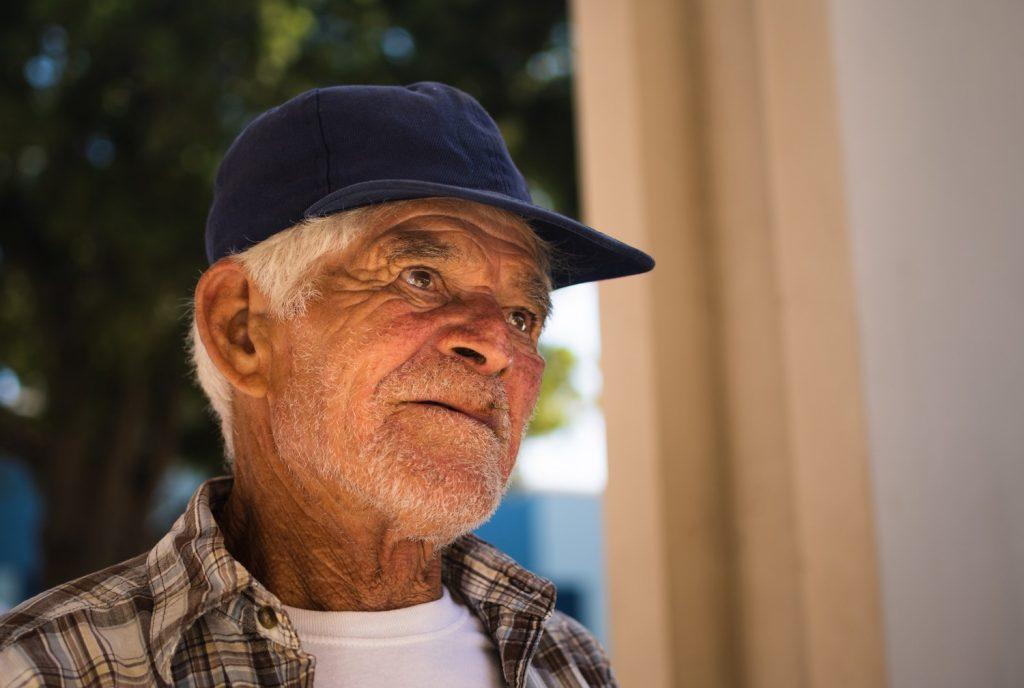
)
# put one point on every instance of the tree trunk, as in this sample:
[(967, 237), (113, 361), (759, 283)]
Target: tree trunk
[(103, 468)]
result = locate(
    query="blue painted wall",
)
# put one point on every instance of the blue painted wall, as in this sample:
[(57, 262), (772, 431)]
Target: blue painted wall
[(559, 537), (21, 513)]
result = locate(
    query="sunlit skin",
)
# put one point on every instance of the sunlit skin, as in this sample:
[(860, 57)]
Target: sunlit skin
[(335, 403)]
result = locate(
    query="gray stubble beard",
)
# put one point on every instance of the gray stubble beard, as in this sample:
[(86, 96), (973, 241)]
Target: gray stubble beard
[(388, 473)]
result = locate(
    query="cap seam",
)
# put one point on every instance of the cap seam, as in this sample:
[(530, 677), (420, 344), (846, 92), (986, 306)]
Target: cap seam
[(323, 140), (492, 152)]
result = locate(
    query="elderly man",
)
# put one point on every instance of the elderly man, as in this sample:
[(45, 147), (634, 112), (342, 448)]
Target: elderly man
[(367, 334)]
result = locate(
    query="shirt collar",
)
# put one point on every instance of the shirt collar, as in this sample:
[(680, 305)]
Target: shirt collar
[(512, 603), (191, 572), (485, 575)]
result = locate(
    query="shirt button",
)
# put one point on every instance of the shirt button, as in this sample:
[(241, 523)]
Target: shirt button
[(267, 617)]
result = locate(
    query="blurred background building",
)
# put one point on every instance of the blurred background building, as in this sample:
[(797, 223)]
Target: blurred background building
[(790, 456)]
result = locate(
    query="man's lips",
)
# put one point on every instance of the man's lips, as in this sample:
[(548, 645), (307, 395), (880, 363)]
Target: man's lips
[(479, 416)]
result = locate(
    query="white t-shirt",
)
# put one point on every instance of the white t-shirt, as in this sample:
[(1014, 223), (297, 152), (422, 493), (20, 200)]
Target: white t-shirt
[(439, 643)]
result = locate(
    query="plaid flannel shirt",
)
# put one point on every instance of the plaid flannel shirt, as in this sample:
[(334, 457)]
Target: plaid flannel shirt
[(187, 613)]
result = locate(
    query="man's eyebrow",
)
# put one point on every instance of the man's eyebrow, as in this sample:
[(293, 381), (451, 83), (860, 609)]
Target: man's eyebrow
[(418, 246), (536, 290)]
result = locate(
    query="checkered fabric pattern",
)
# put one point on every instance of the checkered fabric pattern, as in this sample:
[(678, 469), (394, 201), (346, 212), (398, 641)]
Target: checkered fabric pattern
[(188, 614)]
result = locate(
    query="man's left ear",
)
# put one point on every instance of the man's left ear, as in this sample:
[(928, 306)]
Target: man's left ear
[(230, 317)]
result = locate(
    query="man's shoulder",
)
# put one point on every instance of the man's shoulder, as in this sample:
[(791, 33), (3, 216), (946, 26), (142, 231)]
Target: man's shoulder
[(65, 621), (104, 592), (566, 638), (567, 631)]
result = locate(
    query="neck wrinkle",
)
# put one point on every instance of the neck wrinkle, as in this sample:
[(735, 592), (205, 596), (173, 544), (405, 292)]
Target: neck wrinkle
[(317, 549)]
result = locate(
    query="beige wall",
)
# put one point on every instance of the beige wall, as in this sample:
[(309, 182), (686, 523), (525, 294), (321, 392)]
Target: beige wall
[(740, 539), (933, 128)]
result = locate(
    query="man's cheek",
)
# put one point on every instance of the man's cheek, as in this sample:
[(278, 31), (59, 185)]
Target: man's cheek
[(526, 386), (533, 373)]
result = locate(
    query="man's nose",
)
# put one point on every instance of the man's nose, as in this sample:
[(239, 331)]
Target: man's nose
[(481, 339)]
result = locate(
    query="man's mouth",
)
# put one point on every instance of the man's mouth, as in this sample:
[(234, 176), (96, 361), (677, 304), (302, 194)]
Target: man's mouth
[(479, 417)]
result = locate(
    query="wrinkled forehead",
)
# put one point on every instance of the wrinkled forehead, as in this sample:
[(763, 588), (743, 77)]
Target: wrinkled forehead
[(455, 230), (473, 216), (454, 239)]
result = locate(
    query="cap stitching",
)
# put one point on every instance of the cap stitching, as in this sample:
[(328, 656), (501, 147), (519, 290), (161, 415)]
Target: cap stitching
[(491, 147), (323, 139)]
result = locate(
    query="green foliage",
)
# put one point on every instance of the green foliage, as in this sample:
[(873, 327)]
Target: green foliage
[(558, 397)]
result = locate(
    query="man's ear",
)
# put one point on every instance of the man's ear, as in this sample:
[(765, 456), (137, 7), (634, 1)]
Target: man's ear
[(231, 320)]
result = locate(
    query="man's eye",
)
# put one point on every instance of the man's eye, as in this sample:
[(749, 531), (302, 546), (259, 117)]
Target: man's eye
[(521, 320), (419, 278)]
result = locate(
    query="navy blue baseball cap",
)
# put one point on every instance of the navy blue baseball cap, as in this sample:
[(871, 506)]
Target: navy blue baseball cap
[(332, 149)]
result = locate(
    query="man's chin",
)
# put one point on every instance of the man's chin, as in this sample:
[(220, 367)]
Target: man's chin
[(422, 505), (440, 517), (442, 535), (429, 485)]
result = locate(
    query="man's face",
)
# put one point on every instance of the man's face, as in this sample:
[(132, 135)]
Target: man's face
[(409, 381)]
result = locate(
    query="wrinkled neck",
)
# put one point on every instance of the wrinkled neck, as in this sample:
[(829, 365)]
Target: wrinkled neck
[(315, 546)]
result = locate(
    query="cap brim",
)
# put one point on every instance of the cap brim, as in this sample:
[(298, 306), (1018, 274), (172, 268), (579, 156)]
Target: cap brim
[(583, 254)]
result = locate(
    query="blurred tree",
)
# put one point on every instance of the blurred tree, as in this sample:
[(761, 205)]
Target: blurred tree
[(558, 397), (113, 115)]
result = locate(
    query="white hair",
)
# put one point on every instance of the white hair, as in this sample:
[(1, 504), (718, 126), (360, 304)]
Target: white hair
[(284, 268)]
